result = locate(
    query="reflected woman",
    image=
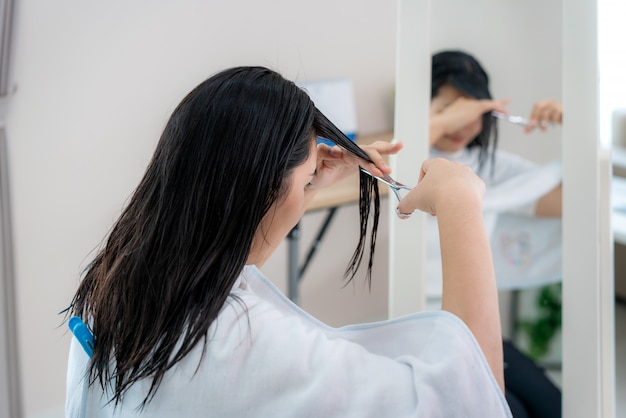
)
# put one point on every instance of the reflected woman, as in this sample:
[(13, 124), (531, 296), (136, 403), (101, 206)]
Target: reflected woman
[(462, 129)]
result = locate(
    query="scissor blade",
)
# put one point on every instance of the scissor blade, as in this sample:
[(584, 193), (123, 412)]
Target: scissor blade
[(517, 120), (393, 186)]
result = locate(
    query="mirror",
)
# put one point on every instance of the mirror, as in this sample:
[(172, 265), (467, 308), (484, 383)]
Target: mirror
[(520, 50), (588, 323)]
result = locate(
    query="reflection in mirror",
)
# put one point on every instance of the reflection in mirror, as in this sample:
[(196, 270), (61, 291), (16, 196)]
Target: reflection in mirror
[(496, 106)]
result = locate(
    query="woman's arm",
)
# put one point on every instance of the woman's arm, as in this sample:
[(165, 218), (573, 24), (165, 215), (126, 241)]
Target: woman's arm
[(453, 193), (550, 205), (469, 286), (459, 114)]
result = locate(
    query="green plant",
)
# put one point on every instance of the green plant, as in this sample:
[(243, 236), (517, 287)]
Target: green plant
[(542, 329)]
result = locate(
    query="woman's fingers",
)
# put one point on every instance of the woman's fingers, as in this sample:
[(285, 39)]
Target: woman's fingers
[(338, 159), (376, 152), (545, 112), (497, 105), (327, 152)]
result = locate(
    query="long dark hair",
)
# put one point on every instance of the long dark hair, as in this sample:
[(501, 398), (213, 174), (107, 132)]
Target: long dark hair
[(462, 71), (172, 257)]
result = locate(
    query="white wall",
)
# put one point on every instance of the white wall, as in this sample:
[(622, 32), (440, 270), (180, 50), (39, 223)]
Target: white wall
[(95, 82)]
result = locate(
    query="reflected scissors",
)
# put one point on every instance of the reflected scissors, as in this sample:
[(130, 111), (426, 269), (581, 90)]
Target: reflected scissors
[(517, 120)]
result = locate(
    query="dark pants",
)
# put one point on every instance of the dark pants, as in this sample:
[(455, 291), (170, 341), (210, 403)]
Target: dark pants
[(529, 392)]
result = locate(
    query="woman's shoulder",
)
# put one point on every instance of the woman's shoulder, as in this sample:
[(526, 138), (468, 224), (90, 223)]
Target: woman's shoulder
[(264, 356)]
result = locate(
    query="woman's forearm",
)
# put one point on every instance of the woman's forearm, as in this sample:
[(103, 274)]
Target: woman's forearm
[(453, 193), (469, 286)]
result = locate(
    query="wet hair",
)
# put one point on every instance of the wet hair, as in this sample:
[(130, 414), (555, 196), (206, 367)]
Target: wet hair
[(171, 259), (462, 71)]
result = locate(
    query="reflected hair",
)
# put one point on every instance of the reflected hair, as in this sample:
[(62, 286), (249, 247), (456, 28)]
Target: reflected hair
[(172, 257), (462, 71)]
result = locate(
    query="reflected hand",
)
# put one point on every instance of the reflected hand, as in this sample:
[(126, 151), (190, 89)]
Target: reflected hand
[(544, 113), (464, 111)]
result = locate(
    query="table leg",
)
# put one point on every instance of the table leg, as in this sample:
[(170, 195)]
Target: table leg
[(295, 272), (293, 243)]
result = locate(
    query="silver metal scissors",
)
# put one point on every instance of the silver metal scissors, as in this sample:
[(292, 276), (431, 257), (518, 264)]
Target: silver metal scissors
[(395, 186), (517, 120)]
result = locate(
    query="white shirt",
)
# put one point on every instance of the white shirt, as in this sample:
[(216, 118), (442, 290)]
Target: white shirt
[(508, 166), (276, 361), (526, 249)]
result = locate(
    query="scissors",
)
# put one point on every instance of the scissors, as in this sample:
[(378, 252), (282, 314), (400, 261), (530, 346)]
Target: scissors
[(517, 120), (395, 186)]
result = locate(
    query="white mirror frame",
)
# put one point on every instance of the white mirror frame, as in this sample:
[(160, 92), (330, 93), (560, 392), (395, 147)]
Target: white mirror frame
[(407, 246), (588, 297), (10, 388)]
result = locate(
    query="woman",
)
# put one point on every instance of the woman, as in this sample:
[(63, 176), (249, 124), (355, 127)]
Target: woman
[(186, 325), (462, 129)]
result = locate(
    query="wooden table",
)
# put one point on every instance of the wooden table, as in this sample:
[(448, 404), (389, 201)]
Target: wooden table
[(330, 199)]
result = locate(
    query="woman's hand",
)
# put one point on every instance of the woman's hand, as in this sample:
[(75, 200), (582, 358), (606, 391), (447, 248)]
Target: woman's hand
[(544, 113), (443, 184), (335, 163)]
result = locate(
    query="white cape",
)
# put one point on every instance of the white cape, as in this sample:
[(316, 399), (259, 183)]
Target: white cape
[(278, 361)]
